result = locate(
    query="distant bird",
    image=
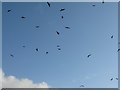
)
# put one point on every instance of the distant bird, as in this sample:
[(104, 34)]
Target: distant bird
[(57, 32), (62, 9), (37, 49), (23, 17), (93, 5), (67, 27), (112, 36), (37, 26), (116, 78), (111, 79), (103, 1), (118, 50), (48, 4), (46, 52), (62, 17), (82, 86), (88, 55), (9, 10), (59, 48), (11, 55), (23, 46)]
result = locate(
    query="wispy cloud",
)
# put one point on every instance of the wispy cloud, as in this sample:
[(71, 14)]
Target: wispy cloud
[(13, 82)]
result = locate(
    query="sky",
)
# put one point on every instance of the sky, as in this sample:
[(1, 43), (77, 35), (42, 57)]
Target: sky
[(90, 32)]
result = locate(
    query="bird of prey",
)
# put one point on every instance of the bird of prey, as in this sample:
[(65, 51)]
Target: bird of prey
[(118, 50), (62, 17), (37, 26), (112, 36), (23, 17), (111, 79), (67, 27), (48, 4), (46, 52), (62, 9), (59, 48), (93, 5), (57, 32), (37, 49), (9, 10), (88, 55), (116, 78), (11, 55), (81, 85)]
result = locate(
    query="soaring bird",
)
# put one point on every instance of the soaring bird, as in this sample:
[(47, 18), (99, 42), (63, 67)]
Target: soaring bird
[(57, 32), (23, 17), (112, 36), (37, 49), (9, 10), (111, 79), (82, 86), (59, 48), (93, 5), (88, 55), (116, 78), (37, 26), (62, 9), (62, 17), (48, 4), (118, 50), (67, 27), (46, 52), (11, 55)]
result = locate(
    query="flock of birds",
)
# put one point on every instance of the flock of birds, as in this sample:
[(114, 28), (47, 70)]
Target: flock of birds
[(58, 33)]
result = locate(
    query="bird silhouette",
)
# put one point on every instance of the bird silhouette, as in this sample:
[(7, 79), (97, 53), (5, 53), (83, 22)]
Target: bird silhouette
[(9, 10), (57, 32), (103, 1), (24, 46), (62, 9), (112, 36), (118, 50), (48, 4), (93, 5), (11, 55), (62, 17), (46, 52), (111, 79), (37, 26), (116, 78), (59, 48), (23, 17), (88, 55), (67, 27), (37, 49), (82, 86)]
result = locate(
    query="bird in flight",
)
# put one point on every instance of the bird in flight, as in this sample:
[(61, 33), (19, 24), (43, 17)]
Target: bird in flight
[(48, 4), (112, 36), (37, 49), (59, 48), (62, 9), (103, 1), (118, 50), (24, 46), (93, 5), (88, 55), (9, 10), (67, 27), (23, 17), (37, 26), (111, 79), (11, 55), (82, 86), (46, 52), (62, 17), (116, 78), (57, 32)]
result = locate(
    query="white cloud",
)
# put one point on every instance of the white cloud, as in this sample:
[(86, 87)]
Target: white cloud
[(13, 82)]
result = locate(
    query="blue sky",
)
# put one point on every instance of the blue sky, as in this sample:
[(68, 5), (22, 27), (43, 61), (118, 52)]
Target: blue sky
[(90, 33)]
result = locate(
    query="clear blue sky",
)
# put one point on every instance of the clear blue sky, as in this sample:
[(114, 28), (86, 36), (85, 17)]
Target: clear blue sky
[(90, 33)]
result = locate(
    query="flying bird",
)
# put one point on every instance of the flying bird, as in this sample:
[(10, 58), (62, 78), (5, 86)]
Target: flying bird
[(46, 52), (88, 55), (118, 50), (37, 49), (62, 17), (57, 32), (9, 10), (23, 17), (59, 48), (67, 27), (48, 4), (111, 79), (37, 26), (116, 78), (82, 86), (112, 36), (11, 55), (103, 1), (93, 5), (23, 46), (62, 9)]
